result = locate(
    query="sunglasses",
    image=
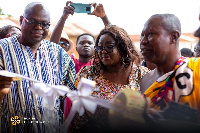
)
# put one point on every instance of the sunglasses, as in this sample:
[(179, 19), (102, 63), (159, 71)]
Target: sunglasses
[(34, 22), (62, 43), (107, 48)]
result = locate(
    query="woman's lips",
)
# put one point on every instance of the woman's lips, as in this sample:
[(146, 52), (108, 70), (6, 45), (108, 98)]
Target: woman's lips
[(106, 57)]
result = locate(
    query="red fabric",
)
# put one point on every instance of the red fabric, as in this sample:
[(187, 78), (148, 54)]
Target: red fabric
[(67, 109), (79, 65)]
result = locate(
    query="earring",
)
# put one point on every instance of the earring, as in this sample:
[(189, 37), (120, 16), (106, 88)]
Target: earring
[(122, 60)]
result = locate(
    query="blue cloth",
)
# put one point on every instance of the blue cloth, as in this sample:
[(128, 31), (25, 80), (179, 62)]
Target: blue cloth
[(51, 65)]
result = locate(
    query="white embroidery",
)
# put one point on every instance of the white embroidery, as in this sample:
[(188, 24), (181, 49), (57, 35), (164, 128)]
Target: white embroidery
[(183, 81), (164, 77)]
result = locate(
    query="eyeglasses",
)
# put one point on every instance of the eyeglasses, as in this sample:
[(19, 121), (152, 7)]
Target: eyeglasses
[(42, 24), (107, 48), (62, 43)]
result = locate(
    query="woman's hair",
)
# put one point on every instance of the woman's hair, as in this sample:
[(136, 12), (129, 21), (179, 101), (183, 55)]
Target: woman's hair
[(124, 46)]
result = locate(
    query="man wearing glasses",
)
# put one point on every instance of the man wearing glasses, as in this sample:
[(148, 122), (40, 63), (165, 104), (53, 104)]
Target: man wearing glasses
[(32, 56)]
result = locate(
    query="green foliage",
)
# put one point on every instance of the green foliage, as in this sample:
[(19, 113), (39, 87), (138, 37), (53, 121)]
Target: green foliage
[(1, 12)]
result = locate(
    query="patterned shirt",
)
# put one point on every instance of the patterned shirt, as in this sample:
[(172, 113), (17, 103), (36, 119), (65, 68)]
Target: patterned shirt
[(180, 85), (51, 65), (104, 89)]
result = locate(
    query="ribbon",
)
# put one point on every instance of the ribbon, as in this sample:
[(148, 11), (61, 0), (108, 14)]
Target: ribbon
[(81, 99)]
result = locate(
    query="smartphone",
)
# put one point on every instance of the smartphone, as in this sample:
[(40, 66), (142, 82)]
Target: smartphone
[(82, 8)]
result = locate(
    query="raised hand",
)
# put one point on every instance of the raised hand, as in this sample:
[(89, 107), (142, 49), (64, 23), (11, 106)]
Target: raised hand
[(98, 10), (68, 9)]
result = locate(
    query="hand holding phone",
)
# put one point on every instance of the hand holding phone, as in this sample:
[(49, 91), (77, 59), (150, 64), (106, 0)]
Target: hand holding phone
[(98, 10), (82, 8)]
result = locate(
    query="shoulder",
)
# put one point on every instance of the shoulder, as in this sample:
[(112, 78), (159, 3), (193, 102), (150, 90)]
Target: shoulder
[(6, 44), (72, 57), (50, 47), (148, 75), (56, 52), (137, 73), (141, 70), (86, 72), (75, 60), (6, 41), (193, 61), (147, 81), (54, 47), (51, 44)]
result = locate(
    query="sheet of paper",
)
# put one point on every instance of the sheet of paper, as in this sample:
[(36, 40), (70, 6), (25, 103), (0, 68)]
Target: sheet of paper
[(15, 76)]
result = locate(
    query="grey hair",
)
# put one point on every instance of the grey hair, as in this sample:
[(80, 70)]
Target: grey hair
[(170, 22)]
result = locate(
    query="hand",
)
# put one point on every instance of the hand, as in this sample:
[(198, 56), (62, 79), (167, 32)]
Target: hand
[(68, 10), (5, 85), (98, 10), (151, 112)]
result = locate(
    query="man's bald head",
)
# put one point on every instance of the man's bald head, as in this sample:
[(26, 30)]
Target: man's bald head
[(35, 7)]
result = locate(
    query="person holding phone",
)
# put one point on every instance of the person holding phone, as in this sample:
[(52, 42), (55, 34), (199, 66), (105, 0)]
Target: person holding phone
[(85, 54), (69, 10)]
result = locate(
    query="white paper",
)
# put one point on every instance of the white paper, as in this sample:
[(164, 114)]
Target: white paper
[(14, 75)]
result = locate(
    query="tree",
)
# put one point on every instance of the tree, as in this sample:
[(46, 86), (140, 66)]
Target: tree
[(1, 12)]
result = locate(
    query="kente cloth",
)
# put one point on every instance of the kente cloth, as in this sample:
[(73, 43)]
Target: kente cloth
[(179, 85), (104, 89), (51, 65)]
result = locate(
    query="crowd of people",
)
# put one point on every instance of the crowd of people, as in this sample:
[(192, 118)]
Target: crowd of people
[(168, 78)]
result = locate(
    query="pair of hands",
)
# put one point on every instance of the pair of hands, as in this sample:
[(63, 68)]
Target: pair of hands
[(98, 10)]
